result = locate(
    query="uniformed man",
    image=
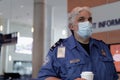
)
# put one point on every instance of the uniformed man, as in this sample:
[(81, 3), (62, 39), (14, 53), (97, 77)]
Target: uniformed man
[(68, 58)]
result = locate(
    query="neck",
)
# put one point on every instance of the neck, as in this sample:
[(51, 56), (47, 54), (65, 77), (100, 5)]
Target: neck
[(81, 40)]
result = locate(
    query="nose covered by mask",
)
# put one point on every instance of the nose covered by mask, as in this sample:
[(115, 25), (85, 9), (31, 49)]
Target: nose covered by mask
[(85, 29)]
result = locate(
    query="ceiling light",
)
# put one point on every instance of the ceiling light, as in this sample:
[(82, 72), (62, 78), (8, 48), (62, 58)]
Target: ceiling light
[(10, 58), (32, 29), (21, 6), (64, 32), (1, 27), (18, 34)]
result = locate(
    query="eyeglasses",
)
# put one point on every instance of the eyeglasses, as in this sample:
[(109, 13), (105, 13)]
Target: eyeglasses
[(82, 19)]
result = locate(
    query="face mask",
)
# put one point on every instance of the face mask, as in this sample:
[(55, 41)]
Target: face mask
[(85, 29)]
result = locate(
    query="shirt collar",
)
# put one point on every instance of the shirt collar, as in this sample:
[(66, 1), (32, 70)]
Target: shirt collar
[(94, 42), (72, 43)]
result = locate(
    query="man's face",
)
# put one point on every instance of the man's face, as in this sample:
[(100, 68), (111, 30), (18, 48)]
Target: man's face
[(81, 17)]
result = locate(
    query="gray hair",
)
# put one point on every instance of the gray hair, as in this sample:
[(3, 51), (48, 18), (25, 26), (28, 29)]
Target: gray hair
[(72, 15)]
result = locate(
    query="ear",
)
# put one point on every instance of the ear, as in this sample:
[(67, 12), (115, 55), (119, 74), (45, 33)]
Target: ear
[(71, 27)]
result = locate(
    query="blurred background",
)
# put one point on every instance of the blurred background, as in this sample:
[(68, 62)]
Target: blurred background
[(28, 28)]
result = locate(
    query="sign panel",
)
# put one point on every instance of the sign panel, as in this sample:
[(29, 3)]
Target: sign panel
[(106, 17)]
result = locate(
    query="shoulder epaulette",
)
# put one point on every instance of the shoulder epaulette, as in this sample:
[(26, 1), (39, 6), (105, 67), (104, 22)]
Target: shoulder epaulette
[(56, 44)]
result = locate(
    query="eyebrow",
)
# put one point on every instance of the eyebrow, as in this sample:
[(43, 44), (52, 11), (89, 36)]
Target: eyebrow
[(83, 18)]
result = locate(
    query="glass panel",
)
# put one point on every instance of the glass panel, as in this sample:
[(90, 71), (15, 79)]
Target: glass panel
[(24, 45), (22, 67), (16, 16)]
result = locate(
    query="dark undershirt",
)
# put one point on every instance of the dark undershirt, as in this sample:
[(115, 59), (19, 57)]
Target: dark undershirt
[(86, 47)]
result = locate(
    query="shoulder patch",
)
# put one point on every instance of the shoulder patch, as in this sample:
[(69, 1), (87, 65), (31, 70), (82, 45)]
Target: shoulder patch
[(56, 44)]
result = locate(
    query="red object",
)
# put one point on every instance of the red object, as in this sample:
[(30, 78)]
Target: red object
[(115, 50)]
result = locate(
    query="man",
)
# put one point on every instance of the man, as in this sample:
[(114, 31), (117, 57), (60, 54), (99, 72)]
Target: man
[(68, 58)]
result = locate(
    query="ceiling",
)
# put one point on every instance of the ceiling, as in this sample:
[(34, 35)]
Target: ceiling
[(20, 11)]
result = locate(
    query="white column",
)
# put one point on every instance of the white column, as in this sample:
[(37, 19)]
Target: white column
[(38, 37)]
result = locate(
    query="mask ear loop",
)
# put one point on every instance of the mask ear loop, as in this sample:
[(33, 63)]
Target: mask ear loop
[(71, 27)]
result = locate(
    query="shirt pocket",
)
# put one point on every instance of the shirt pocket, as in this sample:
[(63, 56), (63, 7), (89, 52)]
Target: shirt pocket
[(108, 67), (74, 69)]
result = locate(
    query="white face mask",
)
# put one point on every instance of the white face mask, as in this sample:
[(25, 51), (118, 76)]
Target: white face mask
[(85, 29)]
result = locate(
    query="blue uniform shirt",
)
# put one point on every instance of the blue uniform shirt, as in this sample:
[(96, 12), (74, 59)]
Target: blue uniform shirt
[(76, 60)]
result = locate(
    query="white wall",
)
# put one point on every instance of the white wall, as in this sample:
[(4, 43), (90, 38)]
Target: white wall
[(59, 22), (55, 21)]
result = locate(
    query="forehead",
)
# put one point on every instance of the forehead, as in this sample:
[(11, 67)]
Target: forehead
[(84, 13)]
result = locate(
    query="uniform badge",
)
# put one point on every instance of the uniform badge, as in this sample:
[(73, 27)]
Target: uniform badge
[(61, 52), (74, 60), (103, 52)]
